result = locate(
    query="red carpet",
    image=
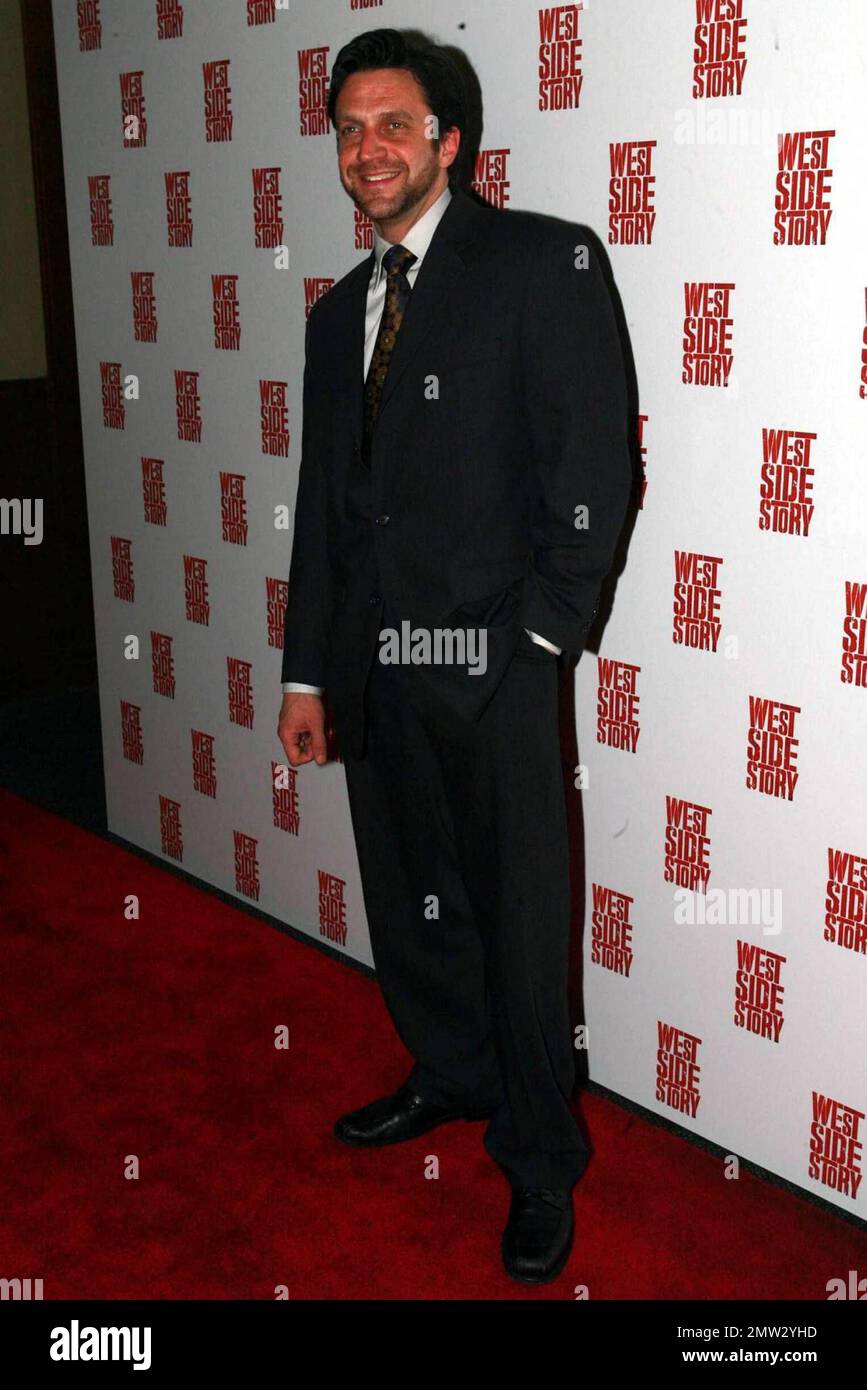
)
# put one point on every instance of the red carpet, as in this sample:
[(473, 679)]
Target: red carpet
[(155, 1038)]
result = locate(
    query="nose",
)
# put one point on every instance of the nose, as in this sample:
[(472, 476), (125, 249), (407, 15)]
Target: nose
[(370, 145)]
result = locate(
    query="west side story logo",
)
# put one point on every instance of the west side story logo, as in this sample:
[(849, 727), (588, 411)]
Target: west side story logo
[(226, 313), (332, 907), (315, 286), (617, 701), (772, 748), (759, 991), (611, 930), (854, 668), (696, 621), (89, 25), (285, 802), (171, 835), (274, 417), (218, 101), (835, 1148), (204, 763), (144, 306), (134, 125), (786, 488), (490, 177), (363, 231), (132, 740), (239, 678), (101, 219), (802, 201), (677, 1069), (246, 865), (170, 19), (631, 189), (122, 578), (113, 408), (179, 208), (267, 208), (313, 91), (233, 508), (163, 665), (719, 40), (188, 406), (197, 608), (707, 333), (846, 901), (261, 11), (276, 598), (153, 489), (687, 844), (560, 54)]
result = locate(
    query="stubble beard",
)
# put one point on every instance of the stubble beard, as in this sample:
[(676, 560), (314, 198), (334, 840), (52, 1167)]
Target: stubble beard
[(382, 212)]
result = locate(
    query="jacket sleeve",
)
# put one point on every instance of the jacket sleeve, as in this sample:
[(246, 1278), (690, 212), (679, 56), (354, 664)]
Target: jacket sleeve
[(577, 419), (308, 607)]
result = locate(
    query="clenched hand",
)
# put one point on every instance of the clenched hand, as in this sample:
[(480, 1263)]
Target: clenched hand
[(301, 729)]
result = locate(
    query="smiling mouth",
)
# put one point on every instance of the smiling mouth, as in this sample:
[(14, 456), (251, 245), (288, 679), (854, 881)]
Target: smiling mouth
[(373, 180)]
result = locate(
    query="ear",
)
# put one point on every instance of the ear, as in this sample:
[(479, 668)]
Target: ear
[(450, 143)]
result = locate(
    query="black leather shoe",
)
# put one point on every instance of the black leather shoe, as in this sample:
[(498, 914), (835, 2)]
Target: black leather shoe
[(538, 1237), (403, 1115)]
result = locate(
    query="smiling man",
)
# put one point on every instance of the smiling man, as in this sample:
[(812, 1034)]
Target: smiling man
[(464, 468)]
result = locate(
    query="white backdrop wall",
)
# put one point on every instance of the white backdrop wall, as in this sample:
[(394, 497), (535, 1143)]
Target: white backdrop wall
[(719, 149)]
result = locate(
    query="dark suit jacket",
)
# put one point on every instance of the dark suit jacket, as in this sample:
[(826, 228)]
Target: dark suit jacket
[(504, 410)]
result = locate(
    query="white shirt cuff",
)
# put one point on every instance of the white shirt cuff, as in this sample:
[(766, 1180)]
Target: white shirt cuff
[(543, 642), (295, 688)]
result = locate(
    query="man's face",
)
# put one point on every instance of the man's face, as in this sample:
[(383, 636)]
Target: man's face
[(389, 164)]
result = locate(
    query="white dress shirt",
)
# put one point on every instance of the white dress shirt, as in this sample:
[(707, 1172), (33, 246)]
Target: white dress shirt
[(417, 240)]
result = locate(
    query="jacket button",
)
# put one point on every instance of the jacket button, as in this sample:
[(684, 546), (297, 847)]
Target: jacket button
[(374, 600), (383, 520)]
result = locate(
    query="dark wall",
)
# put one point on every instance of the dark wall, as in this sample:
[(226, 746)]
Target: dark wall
[(45, 590)]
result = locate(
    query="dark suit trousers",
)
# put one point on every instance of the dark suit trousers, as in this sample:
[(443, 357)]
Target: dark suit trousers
[(460, 828)]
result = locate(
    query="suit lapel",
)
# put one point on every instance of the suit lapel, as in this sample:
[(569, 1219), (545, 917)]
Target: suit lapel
[(433, 296), (436, 287)]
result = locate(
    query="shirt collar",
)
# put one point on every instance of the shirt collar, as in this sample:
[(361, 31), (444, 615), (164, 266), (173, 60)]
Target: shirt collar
[(417, 239)]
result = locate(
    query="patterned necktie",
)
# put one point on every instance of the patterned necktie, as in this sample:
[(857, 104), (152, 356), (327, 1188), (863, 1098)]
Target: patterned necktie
[(396, 261)]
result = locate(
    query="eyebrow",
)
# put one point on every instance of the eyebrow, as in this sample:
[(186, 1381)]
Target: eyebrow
[(349, 116)]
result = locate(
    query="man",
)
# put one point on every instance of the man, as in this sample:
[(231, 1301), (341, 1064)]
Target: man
[(464, 400)]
